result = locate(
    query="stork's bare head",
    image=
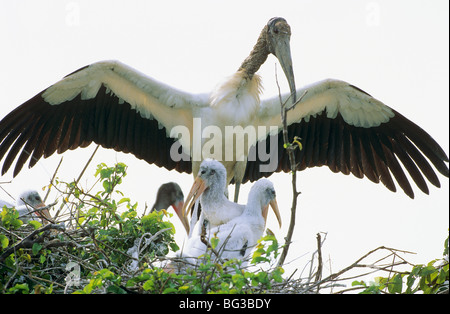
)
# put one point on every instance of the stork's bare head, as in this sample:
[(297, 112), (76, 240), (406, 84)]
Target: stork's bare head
[(278, 42), (274, 39)]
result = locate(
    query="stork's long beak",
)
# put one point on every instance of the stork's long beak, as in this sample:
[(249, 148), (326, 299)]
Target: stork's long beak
[(198, 187), (282, 48), (274, 205), (178, 207), (43, 213)]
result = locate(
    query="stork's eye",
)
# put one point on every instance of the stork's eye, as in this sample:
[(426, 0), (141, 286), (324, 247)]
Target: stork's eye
[(213, 171)]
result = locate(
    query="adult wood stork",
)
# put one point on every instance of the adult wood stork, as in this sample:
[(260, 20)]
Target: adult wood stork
[(118, 107), (28, 205), (170, 194), (113, 105)]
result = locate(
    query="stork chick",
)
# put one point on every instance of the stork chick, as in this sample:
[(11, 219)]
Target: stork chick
[(209, 186), (170, 194), (28, 205), (240, 235)]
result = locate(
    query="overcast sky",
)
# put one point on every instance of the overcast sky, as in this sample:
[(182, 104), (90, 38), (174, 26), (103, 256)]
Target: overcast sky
[(395, 50)]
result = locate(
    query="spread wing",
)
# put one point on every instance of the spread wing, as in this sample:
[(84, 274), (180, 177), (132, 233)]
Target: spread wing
[(346, 129), (107, 103)]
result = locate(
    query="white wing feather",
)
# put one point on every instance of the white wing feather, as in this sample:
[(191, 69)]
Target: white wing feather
[(152, 99), (356, 107)]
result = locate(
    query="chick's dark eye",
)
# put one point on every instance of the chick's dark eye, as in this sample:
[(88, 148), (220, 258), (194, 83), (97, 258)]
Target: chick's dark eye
[(213, 171), (276, 31)]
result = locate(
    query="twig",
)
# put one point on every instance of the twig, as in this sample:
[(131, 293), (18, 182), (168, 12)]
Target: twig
[(38, 210), (356, 264), (6, 191), (319, 260), (290, 151), (78, 180), (28, 241), (53, 179), (312, 271), (149, 241), (87, 164), (209, 246)]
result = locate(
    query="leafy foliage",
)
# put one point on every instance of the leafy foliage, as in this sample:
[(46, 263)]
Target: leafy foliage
[(102, 245), (105, 247), (428, 279)]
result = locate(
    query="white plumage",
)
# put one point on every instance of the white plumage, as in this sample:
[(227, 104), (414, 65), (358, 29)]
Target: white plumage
[(239, 236), (210, 186)]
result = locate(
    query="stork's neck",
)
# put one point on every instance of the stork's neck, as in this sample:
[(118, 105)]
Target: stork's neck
[(257, 56), (254, 206), (214, 206), (213, 195)]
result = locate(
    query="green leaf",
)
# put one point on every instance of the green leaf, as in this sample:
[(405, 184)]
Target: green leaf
[(10, 218), (123, 200), (358, 283), (107, 186), (277, 274), (169, 290), (115, 290), (446, 246), (273, 248), (36, 248), (20, 288), (427, 271), (182, 289), (4, 241), (36, 224), (174, 247), (395, 285), (239, 280), (214, 242), (442, 277), (148, 285)]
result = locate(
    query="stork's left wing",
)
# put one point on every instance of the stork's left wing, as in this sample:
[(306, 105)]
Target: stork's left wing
[(107, 103), (343, 127)]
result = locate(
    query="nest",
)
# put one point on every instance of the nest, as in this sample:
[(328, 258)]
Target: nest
[(57, 259), (97, 244)]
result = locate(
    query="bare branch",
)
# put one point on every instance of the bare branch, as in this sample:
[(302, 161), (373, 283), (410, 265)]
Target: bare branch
[(28, 241), (295, 194)]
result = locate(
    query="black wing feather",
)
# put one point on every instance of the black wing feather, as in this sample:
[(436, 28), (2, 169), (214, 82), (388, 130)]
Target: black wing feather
[(38, 129), (374, 152)]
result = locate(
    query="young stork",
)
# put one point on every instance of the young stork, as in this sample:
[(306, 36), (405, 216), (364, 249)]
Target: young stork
[(28, 205), (209, 186), (170, 194), (240, 235), (113, 105)]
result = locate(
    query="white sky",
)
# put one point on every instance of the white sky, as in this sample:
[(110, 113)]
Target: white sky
[(398, 51)]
